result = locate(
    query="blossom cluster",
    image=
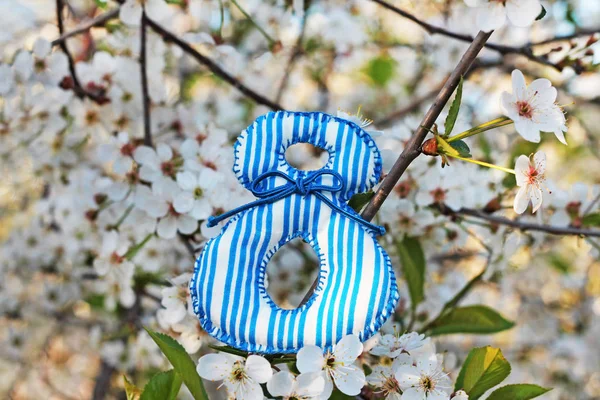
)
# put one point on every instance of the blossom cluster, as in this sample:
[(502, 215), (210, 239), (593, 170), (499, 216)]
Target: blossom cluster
[(413, 371)]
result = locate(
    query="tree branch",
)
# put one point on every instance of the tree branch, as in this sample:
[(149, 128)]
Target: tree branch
[(526, 50), (100, 20), (413, 147), (522, 226), (75, 85), (409, 108), (296, 53), (103, 379), (144, 77), (212, 66)]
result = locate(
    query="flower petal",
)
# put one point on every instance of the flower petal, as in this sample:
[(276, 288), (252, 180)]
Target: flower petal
[(491, 17), (519, 85), (281, 384), (258, 368), (310, 384), (131, 13), (350, 380), (183, 202), (560, 135), (536, 198), (521, 200), (164, 151), (407, 376), (348, 349), (521, 170), (41, 48), (167, 227), (528, 130), (186, 180), (186, 225), (310, 359), (214, 367), (523, 13), (539, 161), (146, 156)]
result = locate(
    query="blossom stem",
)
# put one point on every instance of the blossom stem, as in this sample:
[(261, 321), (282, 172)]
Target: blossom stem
[(135, 249), (124, 216), (484, 164), (222, 18), (262, 31), (496, 123)]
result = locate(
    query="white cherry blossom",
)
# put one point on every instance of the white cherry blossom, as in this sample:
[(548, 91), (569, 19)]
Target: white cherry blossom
[(392, 345), (530, 173), (176, 299), (155, 164), (302, 387), (384, 382), (533, 108), (197, 190), (159, 203), (119, 151), (338, 365), (423, 381), (112, 255), (241, 377)]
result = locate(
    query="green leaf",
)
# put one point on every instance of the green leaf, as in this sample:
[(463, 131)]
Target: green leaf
[(359, 200), (381, 70), (560, 263), (413, 265), (542, 14), (462, 148), (591, 220), (162, 386), (182, 363), (484, 368), (454, 109), (470, 319), (101, 4), (521, 391), (132, 392)]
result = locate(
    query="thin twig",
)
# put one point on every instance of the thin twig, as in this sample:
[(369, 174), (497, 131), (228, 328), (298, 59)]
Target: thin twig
[(100, 20), (296, 53), (408, 109), (590, 207), (520, 225), (102, 386), (75, 85), (526, 50), (418, 102), (212, 66), (144, 77)]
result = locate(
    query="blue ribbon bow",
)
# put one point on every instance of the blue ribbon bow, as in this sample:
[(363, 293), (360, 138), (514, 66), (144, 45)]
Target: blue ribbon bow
[(303, 185)]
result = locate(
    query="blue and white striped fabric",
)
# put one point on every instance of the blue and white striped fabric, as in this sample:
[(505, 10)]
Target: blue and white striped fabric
[(357, 289)]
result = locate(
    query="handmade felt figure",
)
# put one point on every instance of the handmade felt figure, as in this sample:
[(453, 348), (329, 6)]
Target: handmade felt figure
[(356, 289)]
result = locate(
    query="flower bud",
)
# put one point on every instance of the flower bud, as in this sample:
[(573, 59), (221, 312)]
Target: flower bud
[(430, 147)]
